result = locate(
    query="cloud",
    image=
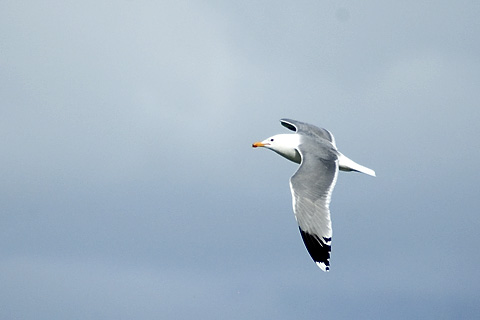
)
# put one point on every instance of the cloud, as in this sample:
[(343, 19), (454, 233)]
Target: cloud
[(130, 187)]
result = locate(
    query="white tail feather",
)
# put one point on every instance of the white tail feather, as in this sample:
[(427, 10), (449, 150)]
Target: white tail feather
[(346, 164)]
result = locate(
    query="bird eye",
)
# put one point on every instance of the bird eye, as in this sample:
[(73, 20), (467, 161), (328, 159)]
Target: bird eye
[(271, 139)]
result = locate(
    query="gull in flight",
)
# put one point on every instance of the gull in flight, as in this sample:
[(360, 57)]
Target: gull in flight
[(312, 184)]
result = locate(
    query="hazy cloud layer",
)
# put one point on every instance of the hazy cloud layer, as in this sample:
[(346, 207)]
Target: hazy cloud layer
[(130, 190)]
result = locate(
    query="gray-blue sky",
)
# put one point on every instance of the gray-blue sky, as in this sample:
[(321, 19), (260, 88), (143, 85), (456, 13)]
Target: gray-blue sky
[(129, 187)]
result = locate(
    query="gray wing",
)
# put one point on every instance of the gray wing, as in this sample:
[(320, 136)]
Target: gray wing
[(308, 129), (311, 188)]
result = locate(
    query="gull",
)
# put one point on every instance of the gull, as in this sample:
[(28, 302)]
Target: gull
[(312, 184)]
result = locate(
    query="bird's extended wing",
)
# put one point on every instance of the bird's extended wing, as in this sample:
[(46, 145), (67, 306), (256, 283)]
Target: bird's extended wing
[(308, 129), (311, 188)]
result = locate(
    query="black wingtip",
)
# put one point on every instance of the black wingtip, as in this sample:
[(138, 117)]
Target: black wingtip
[(319, 249), (287, 124)]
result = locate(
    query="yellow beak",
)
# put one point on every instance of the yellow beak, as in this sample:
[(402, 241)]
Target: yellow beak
[(259, 144)]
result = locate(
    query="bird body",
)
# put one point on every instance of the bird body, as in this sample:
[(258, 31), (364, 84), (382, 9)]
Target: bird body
[(312, 184)]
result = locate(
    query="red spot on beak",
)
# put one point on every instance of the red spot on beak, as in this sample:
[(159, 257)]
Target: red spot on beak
[(258, 144)]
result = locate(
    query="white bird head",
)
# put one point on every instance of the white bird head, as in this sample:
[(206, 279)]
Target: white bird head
[(284, 144)]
